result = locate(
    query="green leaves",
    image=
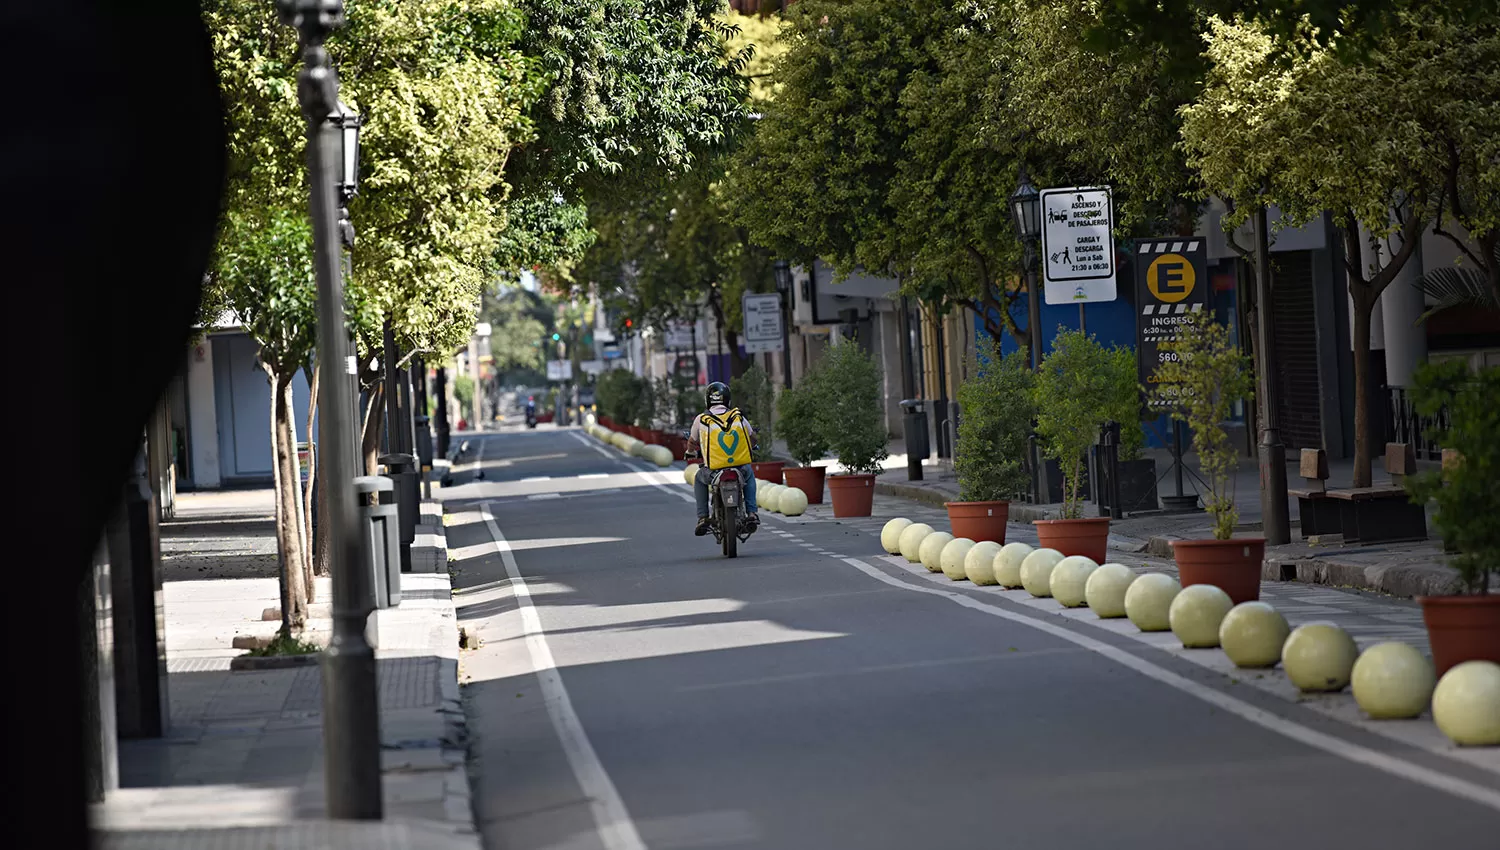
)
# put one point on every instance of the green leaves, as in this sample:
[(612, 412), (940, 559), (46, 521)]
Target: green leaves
[(849, 411), (756, 398), (1468, 502), (1212, 374), (797, 417), (992, 432), (1076, 392)]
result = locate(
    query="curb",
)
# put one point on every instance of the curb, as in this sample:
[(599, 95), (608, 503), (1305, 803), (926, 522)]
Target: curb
[(458, 803)]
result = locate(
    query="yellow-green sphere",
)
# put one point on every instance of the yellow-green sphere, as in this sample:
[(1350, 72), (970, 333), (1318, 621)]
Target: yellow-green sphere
[(1148, 601), (1252, 634), (1319, 657), (1008, 564), (910, 545), (1036, 571), (931, 551), (890, 536), (951, 559), (1392, 681), (1196, 614), (1105, 590), (979, 564), (1070, 578), (1466, 704)]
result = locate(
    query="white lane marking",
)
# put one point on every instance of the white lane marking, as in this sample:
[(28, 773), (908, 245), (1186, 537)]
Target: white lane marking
[(536, 478), (616, 830), (1259, 716), (589, 475), (535, 496)]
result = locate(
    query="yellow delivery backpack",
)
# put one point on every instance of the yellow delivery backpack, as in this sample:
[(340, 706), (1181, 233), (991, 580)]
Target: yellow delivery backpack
[(726, 439)]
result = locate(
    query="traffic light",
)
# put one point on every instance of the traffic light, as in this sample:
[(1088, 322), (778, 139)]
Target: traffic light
[(629, 323), (556, 337)]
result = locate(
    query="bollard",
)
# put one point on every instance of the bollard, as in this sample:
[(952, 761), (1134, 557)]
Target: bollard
[(400, 468), (383, 536)]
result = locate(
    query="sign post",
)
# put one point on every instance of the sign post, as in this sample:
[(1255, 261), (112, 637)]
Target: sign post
[(762, 312), (1172, 293), (1078, 245)]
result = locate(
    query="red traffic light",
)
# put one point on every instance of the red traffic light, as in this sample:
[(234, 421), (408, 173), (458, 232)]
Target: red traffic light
[(629, 323)]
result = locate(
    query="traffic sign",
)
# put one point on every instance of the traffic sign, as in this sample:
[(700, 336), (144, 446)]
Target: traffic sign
[(762, 312), (1172, 292), (1078, 245), (559, 370)]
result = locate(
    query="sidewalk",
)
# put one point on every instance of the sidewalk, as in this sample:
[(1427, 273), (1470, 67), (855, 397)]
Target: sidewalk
[(1399, 569), (242, 762)]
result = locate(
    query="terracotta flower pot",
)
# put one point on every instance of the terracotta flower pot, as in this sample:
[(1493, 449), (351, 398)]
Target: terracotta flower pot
[(768, 470), (1088, 537), (853, 495), (808, 479), (1462, 628), (979, 521), (1232, 566)]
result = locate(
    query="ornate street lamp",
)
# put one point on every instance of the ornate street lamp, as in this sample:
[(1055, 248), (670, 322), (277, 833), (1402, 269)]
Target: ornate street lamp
[(351, 698), (1026, 207)]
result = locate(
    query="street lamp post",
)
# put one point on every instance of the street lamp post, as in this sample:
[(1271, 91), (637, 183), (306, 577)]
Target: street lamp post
[(351, 720), (1275, 522), (1026, 207), (784, 288)]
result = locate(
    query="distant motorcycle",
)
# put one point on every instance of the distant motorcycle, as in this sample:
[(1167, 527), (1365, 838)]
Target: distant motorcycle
[(530, 413)]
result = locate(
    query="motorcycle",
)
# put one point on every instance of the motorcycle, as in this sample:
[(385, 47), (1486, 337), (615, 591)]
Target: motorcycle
[(728, 521), (530, 414)]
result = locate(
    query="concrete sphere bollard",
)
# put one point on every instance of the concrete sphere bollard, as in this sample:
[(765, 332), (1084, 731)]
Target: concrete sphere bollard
[(979, 564), (1008, 564), (1253, 634), (1319, 657), (1148, 601), (1105, 590), (793, 501), (1036, 572), (1466, 704), (951, 559), (910, 543), (661, 456), (767, 499), (1392, 681), (690, 475), (890, 536), (589, 419), (930, 553), (1069, 579), (1196, 614)]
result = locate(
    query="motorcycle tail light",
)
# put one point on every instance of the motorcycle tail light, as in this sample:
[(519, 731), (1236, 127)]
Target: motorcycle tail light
[(729, 475)]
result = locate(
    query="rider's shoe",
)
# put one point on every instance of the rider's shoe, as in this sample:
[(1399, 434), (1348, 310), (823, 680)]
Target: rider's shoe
[(702, 527), (752, 521)]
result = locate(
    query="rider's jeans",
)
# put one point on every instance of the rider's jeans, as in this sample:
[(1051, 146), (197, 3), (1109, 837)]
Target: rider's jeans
[(700, 489)]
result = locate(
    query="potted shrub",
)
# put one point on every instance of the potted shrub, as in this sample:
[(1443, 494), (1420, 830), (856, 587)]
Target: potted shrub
[(1208, 376), (1073, 396), (991, 451), (755, 397), (797, 422), (1464, 626), (849, 415)]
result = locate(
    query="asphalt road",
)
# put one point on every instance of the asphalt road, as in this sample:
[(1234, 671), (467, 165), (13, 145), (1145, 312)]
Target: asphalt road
[(636, 689)]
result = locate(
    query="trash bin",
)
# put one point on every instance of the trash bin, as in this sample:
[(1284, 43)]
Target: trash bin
[(407, 496), (384, 537), (424, 444), (914, 430)]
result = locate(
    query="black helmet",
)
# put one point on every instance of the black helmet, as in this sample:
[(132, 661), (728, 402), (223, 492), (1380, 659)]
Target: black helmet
[(717, 394)]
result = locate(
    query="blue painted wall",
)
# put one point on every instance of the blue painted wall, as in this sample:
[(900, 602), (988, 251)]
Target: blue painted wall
[(1114, 323)]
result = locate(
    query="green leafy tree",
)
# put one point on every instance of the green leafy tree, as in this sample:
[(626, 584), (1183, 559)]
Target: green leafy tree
[(1375, 137), (850, 415), (998, 409), (1209, 374), (798, 417), (263, 268), (1468, 503), (1074, 396)]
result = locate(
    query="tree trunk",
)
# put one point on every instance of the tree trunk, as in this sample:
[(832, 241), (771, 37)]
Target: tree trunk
[(374, 417), (1361, 318), (312, 478), (295, 494), (288, 537)]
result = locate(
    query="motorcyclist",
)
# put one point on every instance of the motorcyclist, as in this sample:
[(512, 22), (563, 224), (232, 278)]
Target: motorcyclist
[(718, 415), (531, 410)]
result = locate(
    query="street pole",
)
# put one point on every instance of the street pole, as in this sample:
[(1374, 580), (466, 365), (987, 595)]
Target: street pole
[(1034, 329), (351, 699), (786, 342), (440, 388), (1275, 524)]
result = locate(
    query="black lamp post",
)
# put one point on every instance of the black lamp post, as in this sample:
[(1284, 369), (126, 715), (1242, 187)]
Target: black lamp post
[(351, 719), (784, 289), (1026, 206)]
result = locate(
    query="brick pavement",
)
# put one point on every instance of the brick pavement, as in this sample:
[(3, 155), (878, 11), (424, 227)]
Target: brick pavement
[(242, 762)]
